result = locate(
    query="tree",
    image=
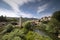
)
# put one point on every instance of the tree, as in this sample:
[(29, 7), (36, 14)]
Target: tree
[(3, 19), (56, 15), (54, 25), (55, 22)]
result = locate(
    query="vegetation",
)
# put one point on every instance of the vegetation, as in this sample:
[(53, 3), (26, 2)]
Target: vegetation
[(3, 19), (20, 34), (56, 15), (50, 28), (54, 25), (29, 25), (35, 36)]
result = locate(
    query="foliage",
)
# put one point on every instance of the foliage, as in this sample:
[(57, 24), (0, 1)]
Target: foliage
[(24, 34), (45, 22), (3, 19), (16, 34), (12, 20), (56, 15), (28, 33), (54, 24), (35, 36), (53, 27), (11, 35), (7, 29), (5, 37), (42, 26), (29, 25), (16, 38), (2, 28)]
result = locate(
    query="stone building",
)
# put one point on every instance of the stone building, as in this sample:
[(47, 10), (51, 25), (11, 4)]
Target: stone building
[(45, 18)]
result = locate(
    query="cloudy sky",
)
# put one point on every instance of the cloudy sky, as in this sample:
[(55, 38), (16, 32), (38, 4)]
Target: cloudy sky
[(28, 8)]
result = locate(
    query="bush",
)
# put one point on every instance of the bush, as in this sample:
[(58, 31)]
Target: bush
[(5, 37), (28, 25), (16, 38), (16, 34), (35, 36), (7, 29)]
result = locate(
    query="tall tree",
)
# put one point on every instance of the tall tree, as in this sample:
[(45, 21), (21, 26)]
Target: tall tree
[(3, 19), (56, 15)]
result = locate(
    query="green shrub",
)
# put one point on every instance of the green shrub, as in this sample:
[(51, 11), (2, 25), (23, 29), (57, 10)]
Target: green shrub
[(28, 25), (35, 36), (7, 29), (16, 34), (5, 37), (16, 38)]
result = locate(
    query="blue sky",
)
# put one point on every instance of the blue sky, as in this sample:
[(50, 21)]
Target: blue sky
[(28, 8)]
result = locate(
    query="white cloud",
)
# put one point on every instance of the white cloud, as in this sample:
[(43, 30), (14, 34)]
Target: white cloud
[(29, 15), (15, 4), (42, 8), (46, 15), (9, 13)]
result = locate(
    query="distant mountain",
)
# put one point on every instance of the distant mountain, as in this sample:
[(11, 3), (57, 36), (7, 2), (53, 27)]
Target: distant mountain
[(23, 19), (28, 19)]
